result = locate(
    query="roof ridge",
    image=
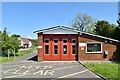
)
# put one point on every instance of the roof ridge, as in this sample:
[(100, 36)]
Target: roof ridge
[(57, 27)]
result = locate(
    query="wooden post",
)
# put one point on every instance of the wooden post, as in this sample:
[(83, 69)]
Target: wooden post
[(8, 54), (14, 53)]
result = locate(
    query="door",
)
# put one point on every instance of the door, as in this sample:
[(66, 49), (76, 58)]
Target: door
[(55, 47), (64, 47), (73, 47), (60, 47)]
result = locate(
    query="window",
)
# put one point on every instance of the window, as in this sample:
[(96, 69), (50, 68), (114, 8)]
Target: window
[(74, 49), (55, 40), (46, 40), (46, 49), (73, 40), (64, 40), (55, 49), (94, 48), (65, 49)]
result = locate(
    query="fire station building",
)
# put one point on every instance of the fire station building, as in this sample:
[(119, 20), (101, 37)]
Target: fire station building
[(67, 44)]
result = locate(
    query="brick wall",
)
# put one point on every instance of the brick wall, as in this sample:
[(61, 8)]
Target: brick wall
[(82, 55), (40, 41), (110, 47)]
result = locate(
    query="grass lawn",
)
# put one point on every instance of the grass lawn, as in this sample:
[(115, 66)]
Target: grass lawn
[(108, 70), (4, 59)]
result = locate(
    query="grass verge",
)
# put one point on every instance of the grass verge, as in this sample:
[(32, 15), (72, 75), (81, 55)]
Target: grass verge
[(108, 70), (4, 59)]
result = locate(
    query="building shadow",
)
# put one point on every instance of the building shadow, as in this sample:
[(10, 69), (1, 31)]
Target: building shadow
[(35, 58)]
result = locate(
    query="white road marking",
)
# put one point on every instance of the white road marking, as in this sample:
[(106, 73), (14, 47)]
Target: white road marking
[(71, 74), (14, 76), (10, 70), (40, 71), (65, 67), (26, 72), (23, 64), (37, 67), (16, 72), (18, 65), (49, 72), (23, 67)]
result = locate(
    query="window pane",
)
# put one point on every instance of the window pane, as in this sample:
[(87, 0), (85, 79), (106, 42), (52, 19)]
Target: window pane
[(94, 47), (55, 49), (64, 40), (73, 49), (98, 47), (73, 40), (46, 49), (55, 40), (47, 41), (65, 49)]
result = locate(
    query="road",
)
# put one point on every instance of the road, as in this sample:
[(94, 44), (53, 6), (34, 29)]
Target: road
[(24, 68)]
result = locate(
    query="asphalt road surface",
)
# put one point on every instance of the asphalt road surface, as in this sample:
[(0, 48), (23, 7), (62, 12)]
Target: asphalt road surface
[(24, 68)]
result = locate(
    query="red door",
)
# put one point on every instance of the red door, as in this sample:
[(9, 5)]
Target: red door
[(60, 47), (55, 47), (65, 47), (73, 47), (47, 47)]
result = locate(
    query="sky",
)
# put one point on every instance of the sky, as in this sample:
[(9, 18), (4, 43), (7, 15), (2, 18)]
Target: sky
[(23, 18)]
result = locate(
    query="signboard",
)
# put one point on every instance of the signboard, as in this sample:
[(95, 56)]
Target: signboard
[(82, 44), (39, 47)]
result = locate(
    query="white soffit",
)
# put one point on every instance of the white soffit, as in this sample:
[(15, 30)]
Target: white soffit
[(60, 31)]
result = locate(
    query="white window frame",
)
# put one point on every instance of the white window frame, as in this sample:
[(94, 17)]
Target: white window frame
[(74, 39), (56, 39), (74, 44), (76, 50), (45, 45), (65, 39), (56, 44), (94, 43), (63, 45), (63, 50), (54, 51), (48, 50), (46, 39)]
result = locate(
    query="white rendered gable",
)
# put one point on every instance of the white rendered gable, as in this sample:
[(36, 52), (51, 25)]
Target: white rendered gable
[(60, 31)]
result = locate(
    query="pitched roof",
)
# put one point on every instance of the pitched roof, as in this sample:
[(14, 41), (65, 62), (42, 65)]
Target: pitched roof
[(57, 27), (24, 40), (75, 30)]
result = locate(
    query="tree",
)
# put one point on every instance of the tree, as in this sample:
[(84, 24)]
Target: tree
[(103, 28), (5, 42), (83, 22), (0, 43), (34, 42), (9, 43), (14, 44), (15, 35), (116, 33)]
